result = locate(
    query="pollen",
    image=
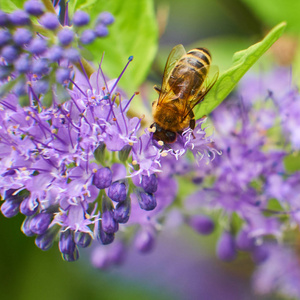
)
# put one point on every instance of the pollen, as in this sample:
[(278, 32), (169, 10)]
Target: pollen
[(153, 129), (134, 162), (94, 171), (160, 143), (54, 131), (164, 154), (14, 148)]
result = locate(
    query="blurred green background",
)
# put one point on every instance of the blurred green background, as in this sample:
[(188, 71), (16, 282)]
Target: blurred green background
[(183, 265)]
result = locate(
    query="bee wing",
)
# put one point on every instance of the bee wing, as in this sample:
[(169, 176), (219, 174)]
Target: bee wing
[(176, 53), (204, 88)]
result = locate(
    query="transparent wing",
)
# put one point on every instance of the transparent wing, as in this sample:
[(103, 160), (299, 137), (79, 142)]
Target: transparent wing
[(202, 91), (176, 53)]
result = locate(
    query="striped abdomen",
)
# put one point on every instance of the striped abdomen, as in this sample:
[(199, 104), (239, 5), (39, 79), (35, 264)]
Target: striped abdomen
[(190, 72)]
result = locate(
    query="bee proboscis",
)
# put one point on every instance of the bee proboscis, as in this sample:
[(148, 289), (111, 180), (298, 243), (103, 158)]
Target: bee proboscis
[(184, 85)]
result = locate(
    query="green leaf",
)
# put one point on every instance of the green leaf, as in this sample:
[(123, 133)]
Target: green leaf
[(8, 5), (242, 61), (134, 33), (273, 11)]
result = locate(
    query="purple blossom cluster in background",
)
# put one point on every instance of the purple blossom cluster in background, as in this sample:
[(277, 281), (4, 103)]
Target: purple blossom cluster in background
[(72, 161)]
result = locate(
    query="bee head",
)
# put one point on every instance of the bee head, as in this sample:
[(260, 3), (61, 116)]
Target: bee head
[(160, 134)]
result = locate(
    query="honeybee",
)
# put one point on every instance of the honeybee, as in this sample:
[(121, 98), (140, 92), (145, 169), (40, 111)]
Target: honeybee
[(184, 85)]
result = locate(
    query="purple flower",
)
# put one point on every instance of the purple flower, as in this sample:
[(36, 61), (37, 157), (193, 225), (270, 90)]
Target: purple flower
[(278, 273)]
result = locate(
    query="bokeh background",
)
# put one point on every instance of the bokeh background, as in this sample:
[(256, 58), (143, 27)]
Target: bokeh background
[(183, 264)]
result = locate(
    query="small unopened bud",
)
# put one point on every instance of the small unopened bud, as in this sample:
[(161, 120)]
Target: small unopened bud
[(102, 178), (146, 201), (226, 249), (149, 183), (117, 191), (202, 224), (145, 239)]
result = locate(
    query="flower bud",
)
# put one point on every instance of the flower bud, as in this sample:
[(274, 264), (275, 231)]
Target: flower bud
[(103, 237), (146, 201), (226, 250), (117, 191), (80, 18), (37, 46), (40, 66), (46, 240), (149, 183), (65, 36), (66, 242), (40, 223), (26, 227), (202, 224), (122, 211), (33, 7), (102, 178), (259, 254), (105, 18), (101, 30), (10, 53), (23, 64), (145, 239), (5, 37), (49, 21), (109, 225), (10, 207), (62, 75), (19, 18), (55, 53), (71, 256), (28, 207), (243, 241), (83, 239), (3, 19), (71, 54), (87, 36), (22, 36)]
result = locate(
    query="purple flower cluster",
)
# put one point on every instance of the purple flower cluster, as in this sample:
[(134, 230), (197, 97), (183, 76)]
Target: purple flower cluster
[(253, 194), (80, 169), (29, 56)]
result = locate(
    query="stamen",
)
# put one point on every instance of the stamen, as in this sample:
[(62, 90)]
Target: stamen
[(118, 79), (129, 101)]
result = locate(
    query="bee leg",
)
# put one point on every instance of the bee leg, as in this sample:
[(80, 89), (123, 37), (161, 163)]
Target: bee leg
[(192, 126), (157, 89)]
